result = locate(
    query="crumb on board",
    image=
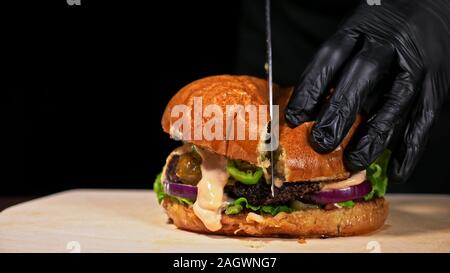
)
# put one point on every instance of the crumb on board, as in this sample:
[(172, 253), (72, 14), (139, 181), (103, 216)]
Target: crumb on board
[(301, 241)]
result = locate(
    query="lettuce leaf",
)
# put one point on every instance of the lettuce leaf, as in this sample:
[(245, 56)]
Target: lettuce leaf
[(377, 175), (347, 204), (181, 200), (239, 204), (158, 188), (274, 210), (160, 194)]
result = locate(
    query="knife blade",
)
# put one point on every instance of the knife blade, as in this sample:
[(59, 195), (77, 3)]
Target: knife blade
[(270, 85)]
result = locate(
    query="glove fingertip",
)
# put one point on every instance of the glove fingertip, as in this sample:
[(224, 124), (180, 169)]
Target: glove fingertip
[(320, 141), (294, 117), (355, 162)]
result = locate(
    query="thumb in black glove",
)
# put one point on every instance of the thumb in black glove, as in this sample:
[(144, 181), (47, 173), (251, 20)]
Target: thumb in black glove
[(410, 38)]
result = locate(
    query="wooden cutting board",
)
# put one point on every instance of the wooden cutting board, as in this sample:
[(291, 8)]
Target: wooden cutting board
[(132, 221)]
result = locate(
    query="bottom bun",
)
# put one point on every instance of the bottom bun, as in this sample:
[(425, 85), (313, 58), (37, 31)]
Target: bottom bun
[(364, 217)]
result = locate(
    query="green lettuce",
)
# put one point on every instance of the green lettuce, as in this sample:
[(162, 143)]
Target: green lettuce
[(377, 175), (158, 188), (274, 210), (347, 204), (182, 200), (161, 194), (239, 204)]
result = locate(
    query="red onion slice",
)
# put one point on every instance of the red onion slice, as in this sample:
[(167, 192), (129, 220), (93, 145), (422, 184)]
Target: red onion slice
[(340, 195), (181, 190)]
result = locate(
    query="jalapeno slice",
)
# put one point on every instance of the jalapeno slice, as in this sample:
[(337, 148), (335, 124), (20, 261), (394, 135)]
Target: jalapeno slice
[(248, 177)]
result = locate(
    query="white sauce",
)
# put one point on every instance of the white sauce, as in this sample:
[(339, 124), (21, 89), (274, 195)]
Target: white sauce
[(210, 195), (353, 180), (251, 216)]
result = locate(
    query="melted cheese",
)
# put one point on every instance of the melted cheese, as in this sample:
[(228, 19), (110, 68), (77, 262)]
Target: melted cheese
[(353, 180), (210, 194)]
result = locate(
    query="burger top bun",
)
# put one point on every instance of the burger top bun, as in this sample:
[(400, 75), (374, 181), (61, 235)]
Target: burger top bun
[(296, 159)]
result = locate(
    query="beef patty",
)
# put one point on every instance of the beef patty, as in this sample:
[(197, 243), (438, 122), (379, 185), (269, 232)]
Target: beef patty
[(260, 193)]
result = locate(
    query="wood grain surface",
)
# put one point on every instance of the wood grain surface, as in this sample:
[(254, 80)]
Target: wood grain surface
[(132, 221)]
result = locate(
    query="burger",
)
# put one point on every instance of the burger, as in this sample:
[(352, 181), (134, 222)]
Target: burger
[(223, 185)]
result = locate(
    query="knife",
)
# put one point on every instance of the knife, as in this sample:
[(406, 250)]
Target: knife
[(270, 85)]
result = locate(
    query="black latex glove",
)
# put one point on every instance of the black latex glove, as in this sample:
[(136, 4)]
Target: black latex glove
[(407, 39)]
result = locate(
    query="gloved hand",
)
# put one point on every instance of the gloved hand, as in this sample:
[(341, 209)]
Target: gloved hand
[(407, 39)]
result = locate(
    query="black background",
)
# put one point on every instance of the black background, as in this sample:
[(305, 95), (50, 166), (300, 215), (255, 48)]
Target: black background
[(89, 84), (85, 86)]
